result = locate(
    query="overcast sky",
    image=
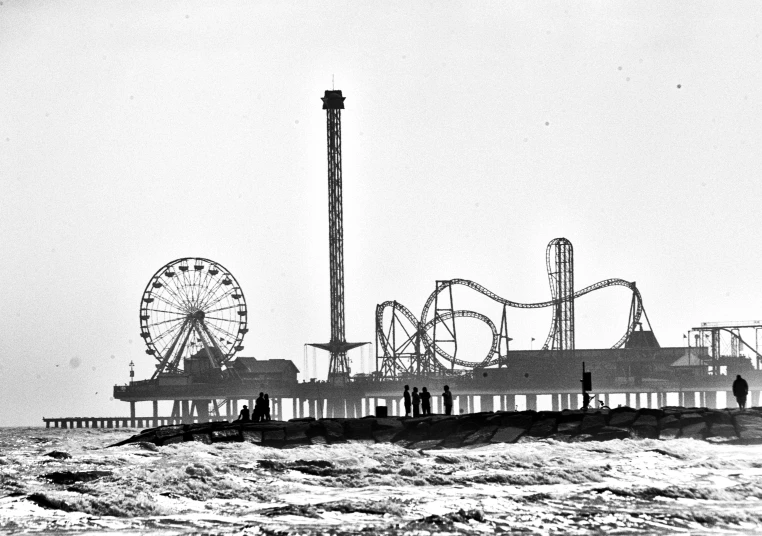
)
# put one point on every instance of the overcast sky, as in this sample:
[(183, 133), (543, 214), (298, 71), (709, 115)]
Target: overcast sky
[(135, 133)]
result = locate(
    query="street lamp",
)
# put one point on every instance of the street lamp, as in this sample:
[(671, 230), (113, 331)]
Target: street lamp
[(132, 371)]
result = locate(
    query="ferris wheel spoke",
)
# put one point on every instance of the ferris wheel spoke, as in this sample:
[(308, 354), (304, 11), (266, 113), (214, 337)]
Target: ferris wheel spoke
[(223, 331), (202, 282), (218, 299), (171, 303), (170, 349), (175, 293), (221, 309), (162, 322), (164, 336), (203, 301), (165, 312), (211, 336)]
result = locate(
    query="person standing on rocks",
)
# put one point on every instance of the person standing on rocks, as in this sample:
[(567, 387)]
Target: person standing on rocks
[(267, 408), (406, 396), (259, 408), (416, 403), (447, 400), (425, 402), (740, 391)]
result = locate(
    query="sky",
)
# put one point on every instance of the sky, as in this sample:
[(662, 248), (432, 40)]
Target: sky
[(136, 133)]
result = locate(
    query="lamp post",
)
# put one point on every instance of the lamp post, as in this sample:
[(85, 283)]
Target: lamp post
[(132, 371)]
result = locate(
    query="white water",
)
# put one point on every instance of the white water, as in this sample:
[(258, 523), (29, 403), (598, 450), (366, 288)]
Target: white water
[(541, 487)]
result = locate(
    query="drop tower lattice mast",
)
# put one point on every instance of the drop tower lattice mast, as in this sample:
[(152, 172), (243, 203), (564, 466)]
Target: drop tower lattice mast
[(338, 369)]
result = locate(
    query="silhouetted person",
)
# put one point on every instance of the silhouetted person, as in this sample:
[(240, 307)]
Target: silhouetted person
[(259, 408), (406, 396), (267, 408), (447, 400), (586, 400), (244, 415), (425, 402), (416, 403), (740, 391)]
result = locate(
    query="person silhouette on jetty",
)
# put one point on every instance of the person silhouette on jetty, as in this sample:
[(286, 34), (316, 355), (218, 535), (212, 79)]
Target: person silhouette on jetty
[(244, 415), (447, 400), (416, 403), (267, 408), (259, 408), (425, 402), (406, 396), (740, 391)]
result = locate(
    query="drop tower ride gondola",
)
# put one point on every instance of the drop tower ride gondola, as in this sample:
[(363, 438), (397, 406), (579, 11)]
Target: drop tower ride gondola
[(338, 369)]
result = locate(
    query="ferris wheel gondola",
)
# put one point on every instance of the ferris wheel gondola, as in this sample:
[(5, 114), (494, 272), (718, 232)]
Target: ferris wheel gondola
[(192, 308)]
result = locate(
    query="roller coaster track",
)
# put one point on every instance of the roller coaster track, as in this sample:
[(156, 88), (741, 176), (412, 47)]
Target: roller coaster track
[(423, 326)]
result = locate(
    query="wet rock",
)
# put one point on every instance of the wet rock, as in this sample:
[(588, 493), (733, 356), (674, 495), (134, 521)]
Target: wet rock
[(388, 423), (201, 438), (669, 433), (507, 434), (687, 419), (226, 434), (592, 422), (384, 436), (713, 417), (252, 436), (456, 440), (543, 427), (607, 433), (697, 430), (70, 477), (168, 431), (360, 429), (669, 421), (622, 419), (748, 426), (274, 438), (569, 427), (442, 428), (518, 420), (334, 431), (722, 430), (427, 444), (59, 455), (297, 433), (318, 440), (169, 440), (482, 435)]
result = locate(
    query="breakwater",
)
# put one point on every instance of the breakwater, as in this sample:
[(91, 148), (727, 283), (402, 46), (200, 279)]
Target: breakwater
[(441, 431)]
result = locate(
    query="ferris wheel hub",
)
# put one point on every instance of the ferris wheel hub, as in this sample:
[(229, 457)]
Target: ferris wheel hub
[(198, 315)]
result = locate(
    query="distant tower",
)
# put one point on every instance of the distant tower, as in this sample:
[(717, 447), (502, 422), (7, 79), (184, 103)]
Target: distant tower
[(560, 260), (338, 370)]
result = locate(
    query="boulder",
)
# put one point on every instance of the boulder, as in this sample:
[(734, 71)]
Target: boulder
[(543, 427), (669, 421), (748, 426), (697, 430), (569, 427), (517, 420), (592, 422), (360, 429), (672, 432), (687, 419), (252, 436), (201, 438), (296, 433), (713, 417), (622, 419), (507, 434), (607, 433), (274, 438), (482, 435), (226, 434), (442, 428), (334, 431), (727, 431)]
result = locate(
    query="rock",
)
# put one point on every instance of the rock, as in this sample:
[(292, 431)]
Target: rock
[(456, 440), (517, 420), (334, 432), (226, 434), (388, 423), (645, 426), (697, 430), (358, 430), (713, 417), (482, 435), (687, 419), (442, 428), (274, 438), (581, 438), (622, 419), (59, 455), (427, 444), (669, 433), (592, 422), (607, 433), (70, 477), (569, 427), (543, 428), (384, 436), (507, 434), (202, 438), (669, 421), (748, 426), (722, 430), (166, 431), (297, 433), (252, 436), (318, 440), (179, 438)]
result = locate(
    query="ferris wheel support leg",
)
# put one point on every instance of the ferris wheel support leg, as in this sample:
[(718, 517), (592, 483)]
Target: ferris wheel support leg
[(132, 410)]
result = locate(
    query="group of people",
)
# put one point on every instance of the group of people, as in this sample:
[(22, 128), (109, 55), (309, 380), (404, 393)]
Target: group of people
[(420, 403), (261, 412)]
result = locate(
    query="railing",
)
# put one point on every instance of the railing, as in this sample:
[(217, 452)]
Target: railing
[(114, 422)]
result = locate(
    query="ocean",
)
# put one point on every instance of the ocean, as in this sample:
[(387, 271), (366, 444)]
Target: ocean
[(56, 481)]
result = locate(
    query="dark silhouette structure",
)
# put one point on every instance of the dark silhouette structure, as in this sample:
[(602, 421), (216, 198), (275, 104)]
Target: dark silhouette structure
[(244, 415), (416, 403), (407, 400)]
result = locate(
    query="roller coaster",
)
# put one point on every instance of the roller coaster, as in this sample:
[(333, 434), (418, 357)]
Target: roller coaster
[(406, 345)]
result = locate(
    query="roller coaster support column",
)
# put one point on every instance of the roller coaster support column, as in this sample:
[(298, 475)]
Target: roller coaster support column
[(338, 368)]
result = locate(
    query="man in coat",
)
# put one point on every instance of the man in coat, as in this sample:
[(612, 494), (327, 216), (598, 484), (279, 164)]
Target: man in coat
[(740, 391)]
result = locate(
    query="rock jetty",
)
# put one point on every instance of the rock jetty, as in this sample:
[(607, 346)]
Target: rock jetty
[(441, 431)]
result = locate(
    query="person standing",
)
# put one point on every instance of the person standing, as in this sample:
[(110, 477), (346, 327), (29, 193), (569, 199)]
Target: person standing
[(416, 403), (425, 402), (740, 391), (447, 400), (406, 396), (259, 408), (267, 408)]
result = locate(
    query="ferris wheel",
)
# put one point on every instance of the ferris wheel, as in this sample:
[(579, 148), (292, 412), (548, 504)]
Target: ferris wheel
[(192, 308)]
